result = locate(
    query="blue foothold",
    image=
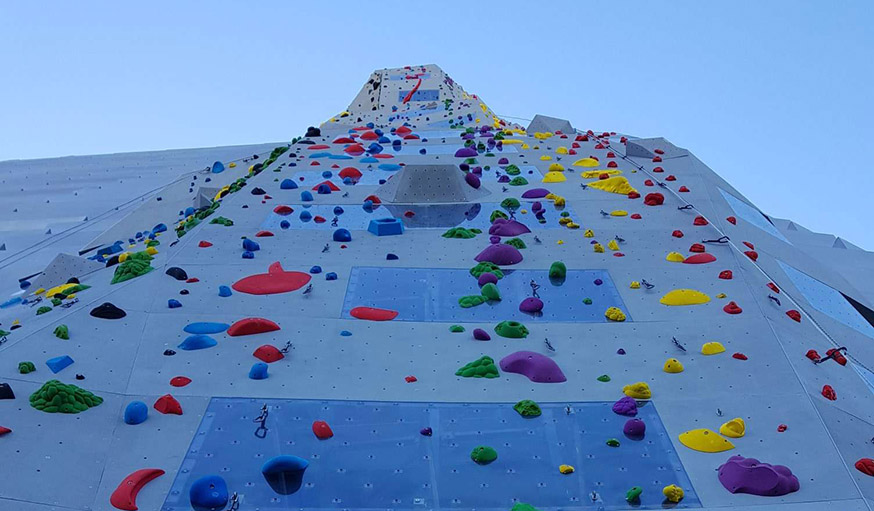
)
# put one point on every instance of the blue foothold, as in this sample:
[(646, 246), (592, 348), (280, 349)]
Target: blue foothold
[(285, 224), (197, 342), (316, 269), (284, 473), (258, 371), (345, 333), (248, 255), (225, 291), (326, 174), (331, 276), (305, 216), (287, 184), (338, 210), (136, 412), (250, 245), (342, 235), (174, 303), (209, 493), (306, 196), (322, 190), (57, 364), (206, 327)]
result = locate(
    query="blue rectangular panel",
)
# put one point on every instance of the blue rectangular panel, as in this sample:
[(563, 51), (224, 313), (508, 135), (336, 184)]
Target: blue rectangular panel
[(751, 215), (420, 95), (427, 294), (378, 460)]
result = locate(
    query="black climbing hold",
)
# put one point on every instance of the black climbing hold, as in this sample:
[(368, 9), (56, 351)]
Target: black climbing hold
[(72, 280), (6, 391), (312, 131), (183, 292), (169, 353), (112, 261), (177, 273), (80, 376), (245, 206), (258, 191), (107, 311)]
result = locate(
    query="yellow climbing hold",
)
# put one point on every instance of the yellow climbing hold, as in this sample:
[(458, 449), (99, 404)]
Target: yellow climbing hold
[(40, 291), (542, 136), (712, 348), (123, 257), (673, 493), (561, 150), (592, 174), (58, 289), (598, 248), (721, 295), (151, 250), (589, 233), (559, 202), (672, 365), (583, 162), (523, 211), (614, 314), (511, 141), (556, 167), (684, 297), (524, 146), (545, 157), (572, 225), (559, 242), (613, 245), (634, 284), (639, 390), (566, 469), (675, 257), (735, 428), (232, 165), (565, 220), (554, 177), (705, 440), (615, 184), (619, 212)]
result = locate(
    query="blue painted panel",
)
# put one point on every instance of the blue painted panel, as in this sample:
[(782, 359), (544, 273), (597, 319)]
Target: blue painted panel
[(378, 460), (420, 95), (751, 215), (426, 294)]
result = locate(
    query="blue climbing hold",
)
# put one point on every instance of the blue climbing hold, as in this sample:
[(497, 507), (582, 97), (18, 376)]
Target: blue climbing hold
[(316, 269), (10, 302), (390, 167), (305, 216), (338, 210), (306, 196), (342, 235), (323, 189), (197, 342), (368, 159), (24, 284), (386, 226), (285, 224), (136, 412), (250, 245), (367, 206), (382, 181), (218, 167), (258, 371), (225, 291), (189, 211), (391, 257), (347, 180), (57, 364), (327, 174), (284, 473), (345, 333), (206, 327), (159, 228), (287, 184), (210, 493), (174, 303), (248, 255), (330, 276)]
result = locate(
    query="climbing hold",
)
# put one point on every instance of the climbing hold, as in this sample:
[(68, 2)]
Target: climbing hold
[(700, 259), (62, 332), (673, 493), (107, 311), (168, 405), (726, 275), (705, 440), (829, 393), (732, 308), (55, 396), (136, 412), (557, 271), (531, 305), (284, 473), (250, 326), (634, 429), (712, 348), (483, 455), (173, 303), (511, 329), (699, 220), (677, 234), (483, 367), (490, 292), (26, 367), (615, 184), (614, 314), (752, 254), (749, 475), (342, 235), (322, 430), (527, 408), (57, 364), (209, 493), (739, 356), (224, 291), (603, 378), (275, 281), (612, 442), (684, 297), (258, 371), (125, 495), (735, 428), (373, 313), (654, 199), (472, 300), (672, 365), (500, 254), (250, 245), (179, 381), (537, 367), (865, 466), (795, 315), (566, 469), (177, 273), (268, 353), (481, 335), (197, 342), (633, 495), (634, 284), (639, 390), (456, 329), (426, 431)]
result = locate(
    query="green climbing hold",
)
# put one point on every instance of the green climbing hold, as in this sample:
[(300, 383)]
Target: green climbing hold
[(604, 378), (512, 170), (516, 242), (613, 442), (518, 181), (564, 214), (511, 329), (483, 455), (497, 214), (3, 333), (483, 367), (75, 289), (54, 397), (26, 367), (490, 292), (153, 243), (43, 310), (62, 332), (521, 506), (587, 301), (486, 267), (56, 301), (527, 408), (633, 495), (227, 222), (558, 270), (461, 233), (456, 329), (471, 301), (135, 265), (510, 204)]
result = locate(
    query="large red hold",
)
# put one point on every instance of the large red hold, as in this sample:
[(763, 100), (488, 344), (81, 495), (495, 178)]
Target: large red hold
[(829, 393), (322, 430), (752, 254), (794, 314), (350, 172), (373, 314), (276, 280), (865, 466), (837, 356), (702, 258), (180, 381), (125, 495), (167, 404), (699, 220), (283, 210), (268, 353), (249, 326), (732, 308), (654, 199)]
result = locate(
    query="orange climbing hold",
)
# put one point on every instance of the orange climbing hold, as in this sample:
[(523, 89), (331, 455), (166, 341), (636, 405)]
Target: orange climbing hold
[(373, 314)]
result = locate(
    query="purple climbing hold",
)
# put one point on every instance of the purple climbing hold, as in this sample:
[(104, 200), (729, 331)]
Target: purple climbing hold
[(503, 161), (535, 193), (620, 351), (500, 254), (531, 305), (504, 179), (505, 227), (472, 180), (536, 206), (494, 239), (749, 475), (479, 334), (487, 278), (538, 368), (634, 428), (465, 152), (598, 282), (426, 432), (626, 406)]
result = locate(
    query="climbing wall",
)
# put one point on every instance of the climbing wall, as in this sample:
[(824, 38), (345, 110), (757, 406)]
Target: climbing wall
[(420, 305)]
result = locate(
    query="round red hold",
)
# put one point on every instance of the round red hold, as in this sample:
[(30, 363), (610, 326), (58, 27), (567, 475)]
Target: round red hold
[(677, 234), (782, 427), (654, 199), (671, 178), (732, 308), (732, 220), (658, 169), (683, 189), (636, 216), (829, 393), (865, 466), (699, 220), (180, 381), (697, 247), (322, 430), (411, 379), (726, 275)]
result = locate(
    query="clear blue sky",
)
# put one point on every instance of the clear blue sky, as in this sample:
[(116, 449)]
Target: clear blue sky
[(776, 96)]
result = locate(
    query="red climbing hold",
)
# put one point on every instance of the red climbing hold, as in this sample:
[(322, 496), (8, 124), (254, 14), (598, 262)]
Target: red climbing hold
[(739, 356), (648, 182), (268, 353), (829, 393), (636, 216), (263, 234), (350, 172), (373, 198), (657, 159), (611, 154), (599, 146), (125, 495), (611, 164), (322, 430), (865, 466), (167, 404), (654, 199), (658, 169), (618, 254), (658, 151), (204, 244), (403, 130), (250, 326), (699, 259), (276, 280), (677, 234), (192, 280), (409, 214), (4, 430), (332, 186), (283, 210), (373, 314), (749, 245), (369, 135), (633, 195), (794, 314), (732, 308), (812, 355), (697, 247), (319, 219), (773, 287), (683, 189), (353, 149), (732, 220), (180, 381), (752, 254), (317, 146), (837, 356), (343, 140), (726, 275), (410, 379), (671, 178), (781, 428), (699, 220)]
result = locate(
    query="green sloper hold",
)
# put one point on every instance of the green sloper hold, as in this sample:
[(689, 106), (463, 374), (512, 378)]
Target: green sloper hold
[(43, 310), (527, 408), (587, 301), (512, 170), (497, 214), (456, 329), (135, 265), (227, 222), (471, 301), (483, 455), (516, 242), (518, 181), (483, 367), (461, 233), (511, 329), (75, 289), (486, 267), (56, 301), (633, 495), (153, 243), (55, 397), (490, 292), (510, 203), (521, 506), (62, 332), (613, 442), (604, 378), (26, 367), (558, 270)]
